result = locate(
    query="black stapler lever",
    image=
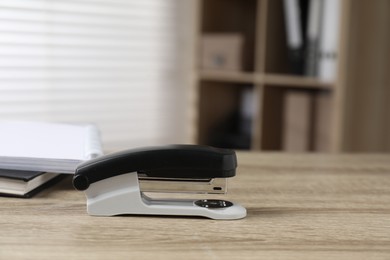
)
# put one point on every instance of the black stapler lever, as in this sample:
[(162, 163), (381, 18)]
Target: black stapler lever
[(115, 183)]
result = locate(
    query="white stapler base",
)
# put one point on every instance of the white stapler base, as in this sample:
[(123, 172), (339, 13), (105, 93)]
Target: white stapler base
[(121, 195)]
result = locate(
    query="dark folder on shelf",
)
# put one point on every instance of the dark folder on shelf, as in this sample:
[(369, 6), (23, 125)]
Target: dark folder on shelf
[(294, 12)]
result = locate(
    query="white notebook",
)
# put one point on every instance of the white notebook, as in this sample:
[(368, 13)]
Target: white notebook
[(49, 147)]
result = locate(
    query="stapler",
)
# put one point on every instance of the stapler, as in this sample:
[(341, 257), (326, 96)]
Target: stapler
[(115, 184)]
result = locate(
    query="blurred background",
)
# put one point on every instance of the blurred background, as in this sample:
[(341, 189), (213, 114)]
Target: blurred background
[(280, 75)]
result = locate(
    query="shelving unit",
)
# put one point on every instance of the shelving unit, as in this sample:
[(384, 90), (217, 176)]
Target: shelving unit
[(265, 72)]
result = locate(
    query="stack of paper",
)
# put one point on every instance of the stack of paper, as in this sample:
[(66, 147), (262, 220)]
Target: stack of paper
[(45, 147)]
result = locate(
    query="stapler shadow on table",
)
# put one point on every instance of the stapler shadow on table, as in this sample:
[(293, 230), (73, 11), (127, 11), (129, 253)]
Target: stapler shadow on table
[(114, 184)]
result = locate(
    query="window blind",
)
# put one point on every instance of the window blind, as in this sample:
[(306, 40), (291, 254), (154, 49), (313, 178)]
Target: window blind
[(121, 64)]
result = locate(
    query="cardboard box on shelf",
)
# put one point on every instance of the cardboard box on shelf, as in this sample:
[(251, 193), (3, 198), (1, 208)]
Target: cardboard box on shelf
[(221, 51)]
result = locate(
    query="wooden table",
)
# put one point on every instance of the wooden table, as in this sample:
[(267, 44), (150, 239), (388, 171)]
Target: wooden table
[(299, 207)]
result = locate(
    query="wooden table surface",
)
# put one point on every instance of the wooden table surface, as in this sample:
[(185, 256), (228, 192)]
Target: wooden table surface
[(299, 207)]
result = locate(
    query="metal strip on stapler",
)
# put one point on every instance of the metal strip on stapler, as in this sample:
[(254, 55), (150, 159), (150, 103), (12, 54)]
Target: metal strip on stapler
[(175, 185)]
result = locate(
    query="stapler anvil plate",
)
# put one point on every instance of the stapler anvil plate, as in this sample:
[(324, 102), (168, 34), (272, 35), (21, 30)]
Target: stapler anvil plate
[(115, 184)]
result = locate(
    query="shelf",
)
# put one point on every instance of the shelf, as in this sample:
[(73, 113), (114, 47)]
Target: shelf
[(295, 81), (275, 90), (227, 76), (274, 80)]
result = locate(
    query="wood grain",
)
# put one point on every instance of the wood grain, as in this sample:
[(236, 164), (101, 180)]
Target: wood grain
[(305, 206)]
